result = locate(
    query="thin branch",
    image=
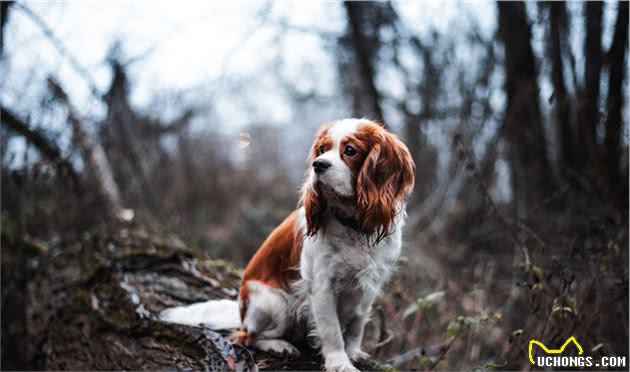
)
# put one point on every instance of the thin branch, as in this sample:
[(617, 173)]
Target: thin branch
[(4, 17), (438, 350), (444, 350), (94, 155), (327, 36), (47, 148), (152, 127), (61, 48), (465, 154)]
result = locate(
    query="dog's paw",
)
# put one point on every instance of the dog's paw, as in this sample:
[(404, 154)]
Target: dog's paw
[(281, 347), (339, 362), (242, 338), (358, 355)]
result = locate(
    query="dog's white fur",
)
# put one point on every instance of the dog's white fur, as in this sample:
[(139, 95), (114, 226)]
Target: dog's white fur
[(340, 278)]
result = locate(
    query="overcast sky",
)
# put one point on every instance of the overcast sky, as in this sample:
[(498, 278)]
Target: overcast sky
[(189, 43), (196, 46)]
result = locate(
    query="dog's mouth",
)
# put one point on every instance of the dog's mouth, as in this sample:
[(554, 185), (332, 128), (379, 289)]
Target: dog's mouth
[(333, 196)]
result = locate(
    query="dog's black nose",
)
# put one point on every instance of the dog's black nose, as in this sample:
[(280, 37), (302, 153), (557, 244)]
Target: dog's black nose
[(320, 165)]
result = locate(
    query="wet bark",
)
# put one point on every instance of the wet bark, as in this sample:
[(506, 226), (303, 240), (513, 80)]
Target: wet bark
[(92, 304)]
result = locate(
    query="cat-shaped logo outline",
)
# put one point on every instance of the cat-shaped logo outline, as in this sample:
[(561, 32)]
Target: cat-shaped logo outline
[(554, 351)]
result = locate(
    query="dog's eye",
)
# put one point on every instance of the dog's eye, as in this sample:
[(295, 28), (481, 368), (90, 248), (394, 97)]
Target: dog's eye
[(321, 150), (349, 151)]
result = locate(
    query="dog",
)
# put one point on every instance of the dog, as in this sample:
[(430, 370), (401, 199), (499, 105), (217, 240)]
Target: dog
[(321, 269)]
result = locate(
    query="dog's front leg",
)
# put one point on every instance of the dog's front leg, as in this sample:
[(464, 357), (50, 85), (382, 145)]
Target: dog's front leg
[(354, 336), (324, 308)]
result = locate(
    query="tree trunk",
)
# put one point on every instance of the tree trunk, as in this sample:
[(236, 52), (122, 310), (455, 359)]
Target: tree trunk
[(615, 100), (363, 58), (4, 17), (590, 104), (557, 28), (93, 303), (47, 148), (522, 123), (94, 156), (592, 67)]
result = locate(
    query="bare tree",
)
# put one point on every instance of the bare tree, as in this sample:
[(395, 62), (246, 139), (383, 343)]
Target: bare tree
[(615, 101), (557, 43), (364, 59), (590, 96), (47, 148), (428, 91), (93, 155), (4, 17), (522, 123)]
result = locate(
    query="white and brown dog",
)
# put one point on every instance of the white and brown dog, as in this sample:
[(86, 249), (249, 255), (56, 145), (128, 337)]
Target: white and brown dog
[(326, 263)]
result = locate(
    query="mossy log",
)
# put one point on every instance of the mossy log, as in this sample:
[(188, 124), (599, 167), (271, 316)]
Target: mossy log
[(93, 303)]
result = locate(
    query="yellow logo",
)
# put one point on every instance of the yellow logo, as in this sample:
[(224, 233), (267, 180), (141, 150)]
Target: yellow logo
[(554, 351)]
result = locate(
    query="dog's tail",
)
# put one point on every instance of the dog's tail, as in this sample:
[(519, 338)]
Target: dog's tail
[(216, 314)]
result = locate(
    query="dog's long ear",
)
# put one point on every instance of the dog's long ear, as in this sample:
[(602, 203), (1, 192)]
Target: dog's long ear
[(311, 198), (314, 207), (386, 177)]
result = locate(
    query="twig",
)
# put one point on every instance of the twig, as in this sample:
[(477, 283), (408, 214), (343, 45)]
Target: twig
[(466, 154), (47, 148), (384, 335), (61, 48), (445, 350), (94, 155), (440, 349), (553, 197), (328, 36), (432, 204), (387, 340)]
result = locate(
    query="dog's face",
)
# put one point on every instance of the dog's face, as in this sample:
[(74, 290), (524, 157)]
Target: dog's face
[(336, 158), (356, 164)]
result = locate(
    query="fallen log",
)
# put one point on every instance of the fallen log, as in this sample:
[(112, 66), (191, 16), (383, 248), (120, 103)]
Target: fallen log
[(93, 303)]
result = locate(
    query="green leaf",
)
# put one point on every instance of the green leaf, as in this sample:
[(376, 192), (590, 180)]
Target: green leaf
[(491, 365), (434, 297), (425, 360), (410, 310), (538, 271), (424, 303), (452, 329)]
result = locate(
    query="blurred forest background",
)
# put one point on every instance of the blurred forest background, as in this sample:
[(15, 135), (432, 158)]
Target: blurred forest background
[(516, 115)]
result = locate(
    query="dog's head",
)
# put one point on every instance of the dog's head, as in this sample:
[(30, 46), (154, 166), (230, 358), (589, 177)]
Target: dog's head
[(358, 167)]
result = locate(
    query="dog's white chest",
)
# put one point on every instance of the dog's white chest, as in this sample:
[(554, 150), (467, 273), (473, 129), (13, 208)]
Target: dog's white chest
[(355, 269)]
